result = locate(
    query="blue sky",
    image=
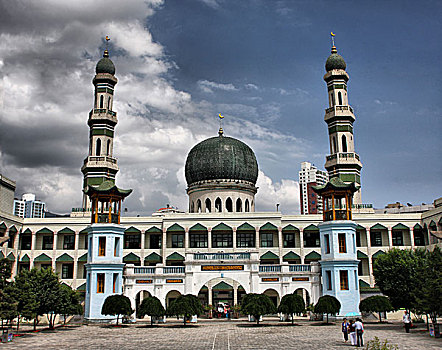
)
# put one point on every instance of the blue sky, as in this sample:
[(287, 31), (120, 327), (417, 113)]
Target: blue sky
[(258, 62)]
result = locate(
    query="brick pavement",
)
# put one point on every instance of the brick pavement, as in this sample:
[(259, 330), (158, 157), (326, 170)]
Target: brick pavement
[(217, 335)]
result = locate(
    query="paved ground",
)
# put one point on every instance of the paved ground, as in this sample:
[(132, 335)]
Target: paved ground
[(208, 334)]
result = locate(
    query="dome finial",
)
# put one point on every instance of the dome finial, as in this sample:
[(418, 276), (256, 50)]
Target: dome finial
[(220, 131), (106, 52), (333, 49)]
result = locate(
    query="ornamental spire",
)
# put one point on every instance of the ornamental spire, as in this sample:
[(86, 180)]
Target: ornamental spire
[(220, 131)]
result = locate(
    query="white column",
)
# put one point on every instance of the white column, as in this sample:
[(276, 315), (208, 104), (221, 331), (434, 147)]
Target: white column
[(75, 270), (54, 250), (235, 294), (412, 237), (186, 238), (234, 238), (257, 237), (280, 244), (163, 245), (209, 293), (390, 237), (301, 241), (209, 238)]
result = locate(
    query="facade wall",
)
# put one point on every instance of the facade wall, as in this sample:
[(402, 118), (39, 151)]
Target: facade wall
[(7, 190)]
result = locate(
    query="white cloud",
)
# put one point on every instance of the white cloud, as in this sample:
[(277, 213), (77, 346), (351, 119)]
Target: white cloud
[(209, 86), (251, 87)]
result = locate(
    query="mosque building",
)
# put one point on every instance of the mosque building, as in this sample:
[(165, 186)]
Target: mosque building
[(221, 248)]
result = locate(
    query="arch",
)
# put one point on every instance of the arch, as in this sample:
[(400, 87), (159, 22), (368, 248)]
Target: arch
[(171, 296), (247, 206), (208, 205), (238, 205), (198, 205), (218, 205), (101, 101), (192, 207), (229, 205), (108, 102), (139, 297), (273, 295), (340, 98), (334, 149), (108, 148), (344, 143), (332, 99), (241, 281), (304, 294), (98, 147)]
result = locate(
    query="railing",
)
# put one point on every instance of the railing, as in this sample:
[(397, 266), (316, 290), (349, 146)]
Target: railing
[(81, 210), (102, 110), (100, 159), (221, 256), (144, 270), (300, 268), (362, 206), (342, 155), (173, 269), (339, 108), (340, 214), (104, 218), (270, 268)]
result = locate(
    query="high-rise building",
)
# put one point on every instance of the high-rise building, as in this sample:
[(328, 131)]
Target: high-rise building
[(343, 161), (310, 176), (7, 189), (100, 165), (29, 207)]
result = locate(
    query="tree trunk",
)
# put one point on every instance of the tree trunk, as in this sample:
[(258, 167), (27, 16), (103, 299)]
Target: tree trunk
[(35, 323), (327, 318), (257, 319), (293, 319), (117, 319), (18, 322), (184, 318), (380, 318), (428, 323), (151, 320)]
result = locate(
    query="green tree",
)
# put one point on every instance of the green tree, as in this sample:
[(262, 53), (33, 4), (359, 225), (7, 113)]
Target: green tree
[(328, 305), (69, 303), (8, 304), (185, 305), (27, 301), (291, 304), (396, 274), (376, 303), (117, 304), (257, 305), (151, 306), (5, 272)]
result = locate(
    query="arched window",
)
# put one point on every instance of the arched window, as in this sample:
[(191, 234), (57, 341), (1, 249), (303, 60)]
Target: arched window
[(108, 148), (332, 99), (344, 143), (192, 207), (198, 204), (334, 150), (218, 205), (340, 98), (208, 205), (229, 205), (247, 206), (101, 101), (108, 103), (98, 147), (239, 205)]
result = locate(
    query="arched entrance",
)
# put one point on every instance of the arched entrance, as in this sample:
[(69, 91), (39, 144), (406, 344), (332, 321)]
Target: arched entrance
[(304, 294), (221, 290), (171, 296), (273, 295), (141, 295)]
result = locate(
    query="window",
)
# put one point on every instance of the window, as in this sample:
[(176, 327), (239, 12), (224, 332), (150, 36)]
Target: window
[(132, 241), (360, 268), (356, 280), (198, 240), (115, 283), (86, 242), (343, 277), (68, 242), (239, 205), (288, 240), (229, 205), (177, 241), (344, 143), (267, 240), (11, 240), (108, 103), (84, 271), (48, 242), (342, 243), (98, 148), (100, 282), (101, 101), (155, 241), (311, 239), (208, 205), (198, 204), (222, 240), (117, 246), (358, 238), (419, 238), (218, 205), (340, 98), (327, 244), (334, 150), (245, 240), (108, 147), (101, 246), (67, 271), (26, 241), (329, 280), (332, 99), (376, 239), (397, 238), (192, 207), (247, 206)]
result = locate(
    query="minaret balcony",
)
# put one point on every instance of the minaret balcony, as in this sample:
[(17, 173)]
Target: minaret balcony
[(339, 111), (103, 113), (343, 158), (100, 162)]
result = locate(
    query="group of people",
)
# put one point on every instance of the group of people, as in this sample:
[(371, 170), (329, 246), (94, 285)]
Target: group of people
[(223, 310), (354, 330)]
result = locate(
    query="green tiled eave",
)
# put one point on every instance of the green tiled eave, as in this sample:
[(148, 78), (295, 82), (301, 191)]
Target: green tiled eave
[(198, 227), (67, 230), (176, 228), (131, 257), (362, 255), (291, 256), (42, 258), (245, 227), (222, 286), (11, 257), (311, 228), (83, 258), (45, 230), (268, 227), (65, 258), (312, 256), (175, 257), (154, 229), (25, 258), (290, 228), (269, 256), (378, 227), (132, 230), (400, 227), (153, 257), (82, 288), (378, 254), (222, 227)]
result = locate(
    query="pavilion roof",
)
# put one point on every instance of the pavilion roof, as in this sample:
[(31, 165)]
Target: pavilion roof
[(107, 188), (336, 184)]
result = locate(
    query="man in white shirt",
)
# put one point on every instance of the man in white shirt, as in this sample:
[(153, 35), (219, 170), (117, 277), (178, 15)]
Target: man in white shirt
[(407, 321), (359, 331)]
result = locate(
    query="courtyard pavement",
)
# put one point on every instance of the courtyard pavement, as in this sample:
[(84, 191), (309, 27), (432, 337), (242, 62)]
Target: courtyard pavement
[(218, 334)]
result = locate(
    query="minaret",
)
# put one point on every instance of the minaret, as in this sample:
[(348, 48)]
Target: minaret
[(342, 162), (100, 165)]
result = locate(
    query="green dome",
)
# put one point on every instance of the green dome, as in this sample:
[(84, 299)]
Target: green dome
[(105, 65), (335, 61), (221, 157)]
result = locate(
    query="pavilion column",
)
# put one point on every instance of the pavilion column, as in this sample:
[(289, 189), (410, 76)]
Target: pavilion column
[(301, 244), (234, 238), (390, 237), (186, 238), (411, 230), (280, 244)]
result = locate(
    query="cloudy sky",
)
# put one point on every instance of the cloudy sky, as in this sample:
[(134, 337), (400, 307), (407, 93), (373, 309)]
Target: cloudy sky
[(258, 62)]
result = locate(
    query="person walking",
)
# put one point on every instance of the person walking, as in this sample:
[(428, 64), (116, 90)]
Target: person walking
[(344, 327), (407, 321), (359, 332), (352, 331)]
